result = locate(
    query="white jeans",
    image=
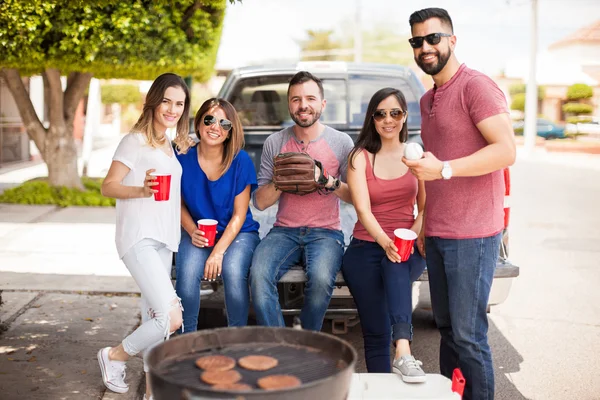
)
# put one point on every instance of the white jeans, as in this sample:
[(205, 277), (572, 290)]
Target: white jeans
[(149, 263)]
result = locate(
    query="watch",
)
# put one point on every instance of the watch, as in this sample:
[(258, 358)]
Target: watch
[(446, 170), (336, 185)]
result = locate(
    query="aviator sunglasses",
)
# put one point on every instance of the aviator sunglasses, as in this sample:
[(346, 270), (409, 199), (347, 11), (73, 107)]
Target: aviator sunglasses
[(396, 114), (224, 123), (416, 42)]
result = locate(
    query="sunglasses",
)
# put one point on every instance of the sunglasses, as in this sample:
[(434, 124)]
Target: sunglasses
[(416, 42), (396, 114), (211, 119)]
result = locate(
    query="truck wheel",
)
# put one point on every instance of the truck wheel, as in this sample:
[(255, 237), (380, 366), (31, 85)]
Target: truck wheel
[(210, 318)]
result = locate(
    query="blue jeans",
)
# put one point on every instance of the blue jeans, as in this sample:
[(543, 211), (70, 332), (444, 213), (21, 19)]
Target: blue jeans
[(460, 277), (382, 291), (190, 263), (319, 250)]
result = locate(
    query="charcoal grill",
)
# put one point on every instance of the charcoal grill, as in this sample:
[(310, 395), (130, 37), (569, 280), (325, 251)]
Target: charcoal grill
[(323, 362)]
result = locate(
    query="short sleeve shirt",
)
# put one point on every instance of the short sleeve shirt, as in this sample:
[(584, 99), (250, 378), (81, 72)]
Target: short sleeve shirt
[(313, 210), (462, 207), (215, 199), (145, 218)]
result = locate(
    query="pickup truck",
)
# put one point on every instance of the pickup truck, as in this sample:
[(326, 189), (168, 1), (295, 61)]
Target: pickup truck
[(259, 94)]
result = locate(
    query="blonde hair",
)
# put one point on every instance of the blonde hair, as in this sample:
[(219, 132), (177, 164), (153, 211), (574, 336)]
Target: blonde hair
[(235, 137), (154, 98)]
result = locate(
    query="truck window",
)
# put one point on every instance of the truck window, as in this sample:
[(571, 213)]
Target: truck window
[(262, 102), (362, 88)]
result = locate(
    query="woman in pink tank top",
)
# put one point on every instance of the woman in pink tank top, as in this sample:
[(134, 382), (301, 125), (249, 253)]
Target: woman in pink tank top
[(384, 194)]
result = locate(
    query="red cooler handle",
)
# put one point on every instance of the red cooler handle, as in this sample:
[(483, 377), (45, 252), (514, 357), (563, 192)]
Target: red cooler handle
[(458, 382)]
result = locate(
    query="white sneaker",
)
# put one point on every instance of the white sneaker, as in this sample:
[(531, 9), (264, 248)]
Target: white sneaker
[(113, 372), (148, 398), (409, 369)]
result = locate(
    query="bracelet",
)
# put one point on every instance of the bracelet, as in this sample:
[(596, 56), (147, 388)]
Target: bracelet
[(336, 185), (377, 236)]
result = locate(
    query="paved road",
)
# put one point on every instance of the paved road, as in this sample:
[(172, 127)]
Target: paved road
[(545, 338)]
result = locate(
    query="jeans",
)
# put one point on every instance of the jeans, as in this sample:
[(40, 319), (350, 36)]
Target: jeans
[(382, 291), (189, 265), (149, 263), (319, 250), (460, 277)]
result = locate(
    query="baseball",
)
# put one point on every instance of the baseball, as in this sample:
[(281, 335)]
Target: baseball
[(413, 151)]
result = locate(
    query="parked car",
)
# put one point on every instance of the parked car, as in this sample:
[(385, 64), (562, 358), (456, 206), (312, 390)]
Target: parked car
[(587, 126), (545, 128), (259, 94)]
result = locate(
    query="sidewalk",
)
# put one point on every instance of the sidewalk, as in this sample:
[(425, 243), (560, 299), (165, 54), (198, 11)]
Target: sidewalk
[(66, 295)]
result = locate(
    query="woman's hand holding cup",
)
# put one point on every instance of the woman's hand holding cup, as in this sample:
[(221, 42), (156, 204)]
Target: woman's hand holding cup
[(149, 182), (198, 239), (391, 251)]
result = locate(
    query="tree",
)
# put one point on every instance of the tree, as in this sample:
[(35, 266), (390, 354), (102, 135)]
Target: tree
[(137, 39), (120, 93), (320, 46), (381, 45)]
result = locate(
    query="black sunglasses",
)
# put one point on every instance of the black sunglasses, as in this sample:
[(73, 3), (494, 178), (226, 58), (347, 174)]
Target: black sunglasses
[(433, 39), (396, 114), (211, 119)]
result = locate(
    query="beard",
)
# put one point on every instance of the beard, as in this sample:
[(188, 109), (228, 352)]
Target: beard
[(434, 69), (307, 122)]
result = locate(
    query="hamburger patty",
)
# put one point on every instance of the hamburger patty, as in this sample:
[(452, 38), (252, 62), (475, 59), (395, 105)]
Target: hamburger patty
[(274, 382), (258, 363), (214, 377), (215, 363)]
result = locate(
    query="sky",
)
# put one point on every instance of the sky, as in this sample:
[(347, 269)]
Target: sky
[(491, 34)]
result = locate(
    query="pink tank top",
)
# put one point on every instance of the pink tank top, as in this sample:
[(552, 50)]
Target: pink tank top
[(392, 202)]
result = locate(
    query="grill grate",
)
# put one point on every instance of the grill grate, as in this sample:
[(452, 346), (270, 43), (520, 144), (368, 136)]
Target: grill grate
[(306, 363)]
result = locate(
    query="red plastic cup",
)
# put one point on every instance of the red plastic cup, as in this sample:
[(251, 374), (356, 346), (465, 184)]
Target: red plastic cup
[(209, 227), (404, 241), (458, 382), (163, 187)]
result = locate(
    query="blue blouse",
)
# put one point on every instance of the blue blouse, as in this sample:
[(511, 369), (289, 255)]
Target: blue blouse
[(214, 199)]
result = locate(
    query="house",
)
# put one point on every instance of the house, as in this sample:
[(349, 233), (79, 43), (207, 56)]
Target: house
[(573, 59)]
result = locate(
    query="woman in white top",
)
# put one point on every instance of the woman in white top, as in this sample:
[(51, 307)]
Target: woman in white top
[(147, 231)]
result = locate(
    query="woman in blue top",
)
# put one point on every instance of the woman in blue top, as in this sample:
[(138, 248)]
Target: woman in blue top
[(218, 178)]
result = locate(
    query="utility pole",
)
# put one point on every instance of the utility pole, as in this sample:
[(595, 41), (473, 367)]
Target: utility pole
[(531, 95), (357, 34)]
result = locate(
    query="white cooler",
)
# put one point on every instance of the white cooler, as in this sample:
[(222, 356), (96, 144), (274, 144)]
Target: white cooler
[(391, 386)]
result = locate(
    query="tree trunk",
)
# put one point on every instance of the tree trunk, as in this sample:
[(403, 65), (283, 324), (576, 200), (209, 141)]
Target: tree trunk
[(60, 156), (56, 143)]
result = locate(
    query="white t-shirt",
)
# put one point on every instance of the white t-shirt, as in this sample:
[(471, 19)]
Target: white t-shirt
[(144, 218)]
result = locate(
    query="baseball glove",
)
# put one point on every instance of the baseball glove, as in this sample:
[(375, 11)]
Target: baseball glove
[(295, 173)]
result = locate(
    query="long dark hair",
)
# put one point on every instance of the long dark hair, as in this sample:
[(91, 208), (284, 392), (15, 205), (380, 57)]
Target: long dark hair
[(369, 139)]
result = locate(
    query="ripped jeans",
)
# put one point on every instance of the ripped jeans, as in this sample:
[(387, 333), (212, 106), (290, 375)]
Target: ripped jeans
[(149, 263)]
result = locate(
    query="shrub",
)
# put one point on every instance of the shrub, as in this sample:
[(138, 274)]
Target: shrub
[(579, 91), (121, 94), (518, 102), (39, 192), (518, 88), (575, 120), (577, 108)]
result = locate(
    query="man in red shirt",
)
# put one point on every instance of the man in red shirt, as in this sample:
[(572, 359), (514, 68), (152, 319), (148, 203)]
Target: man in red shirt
[(467, 132)]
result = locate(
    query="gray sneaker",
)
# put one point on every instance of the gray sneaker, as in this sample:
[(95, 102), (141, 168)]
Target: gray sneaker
[(409, 369)]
